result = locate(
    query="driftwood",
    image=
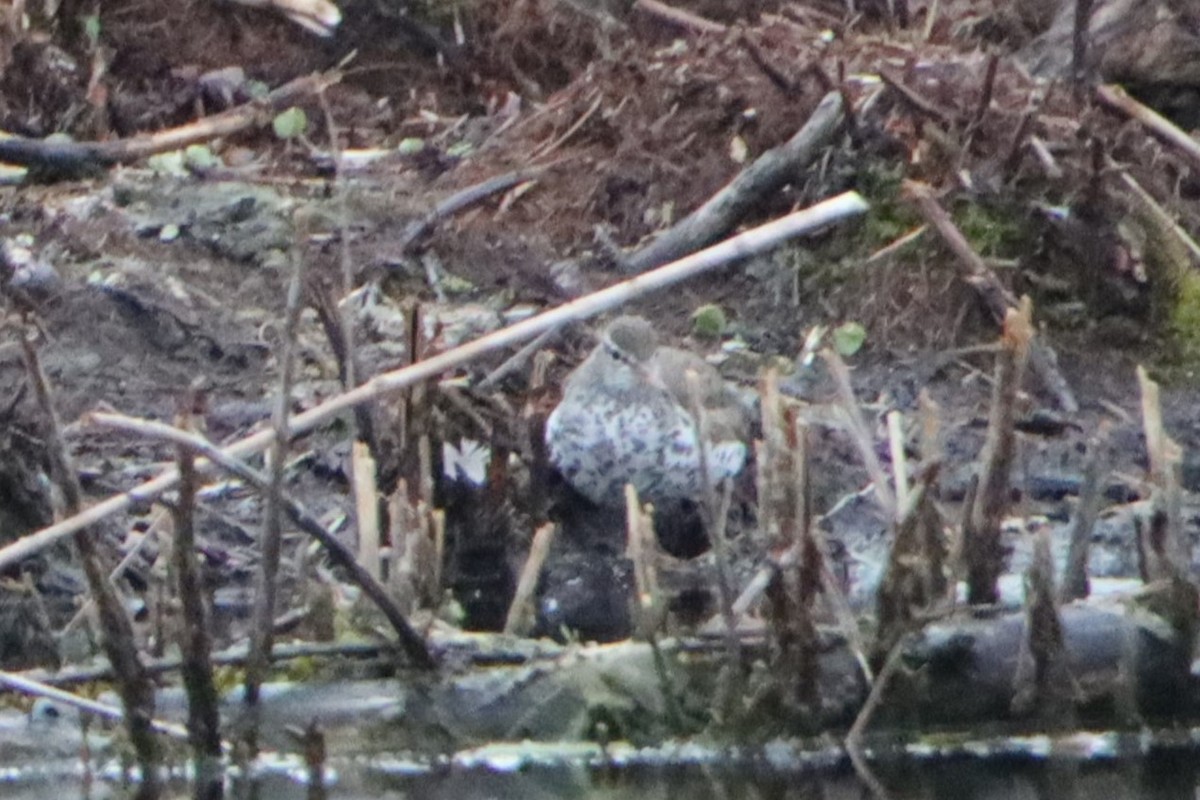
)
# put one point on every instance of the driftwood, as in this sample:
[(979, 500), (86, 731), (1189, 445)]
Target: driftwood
[(961, 671), (1125, 663), (728, 207)]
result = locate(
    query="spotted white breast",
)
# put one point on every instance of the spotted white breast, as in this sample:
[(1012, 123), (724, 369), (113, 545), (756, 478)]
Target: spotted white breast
[(600, 441)]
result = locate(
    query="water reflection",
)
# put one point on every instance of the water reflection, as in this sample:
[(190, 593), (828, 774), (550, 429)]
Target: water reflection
[(1160, 777), (1164, 776)]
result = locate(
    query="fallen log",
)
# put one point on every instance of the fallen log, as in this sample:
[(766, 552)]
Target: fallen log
[(1124, 664), (725, 210)]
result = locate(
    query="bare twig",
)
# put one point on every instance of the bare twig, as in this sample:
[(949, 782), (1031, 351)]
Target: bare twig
[(550, 147), (858, 430), (514, 362), (895, 427), (1042, 152), (1079, 41), (1075, 578), (897, 244), (678, 16), (1116, 97), (931, 18), (261, 632), (854, 738), (989, 86), (1042, 685), (351, 371), (1170, 555), (1016, 147), (781, 82), (38, 689), (116, 629), (195, 642), (639, 542), (913, 580), (1162, 219), (472, 195), (913, 99), (366, 510), (714, 518)]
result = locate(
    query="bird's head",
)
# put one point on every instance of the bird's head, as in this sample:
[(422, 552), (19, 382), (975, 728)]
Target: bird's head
[(626, 352)]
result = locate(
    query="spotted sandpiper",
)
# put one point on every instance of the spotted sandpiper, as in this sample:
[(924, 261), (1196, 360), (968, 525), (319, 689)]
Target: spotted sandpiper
[(624, 418)]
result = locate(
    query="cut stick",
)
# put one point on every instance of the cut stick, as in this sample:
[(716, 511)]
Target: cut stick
[(1115, 97)]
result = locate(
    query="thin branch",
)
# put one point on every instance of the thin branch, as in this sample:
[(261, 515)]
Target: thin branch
[(459, 201), (116, 629), (685, 19), (37, 689), (859, 432), (195, 641), (261, 630)]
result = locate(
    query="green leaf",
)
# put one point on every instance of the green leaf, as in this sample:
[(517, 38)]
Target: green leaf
[(410, 146), (91, 29), (199, 156), (709, 321), (848, 338), (290, 124), (257, 89), (169, 163)]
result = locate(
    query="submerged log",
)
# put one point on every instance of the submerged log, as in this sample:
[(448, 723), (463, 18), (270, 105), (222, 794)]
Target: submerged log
[(1123, 663)]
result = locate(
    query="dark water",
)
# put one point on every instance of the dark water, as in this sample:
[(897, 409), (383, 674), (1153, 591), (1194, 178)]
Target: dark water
[(1170, 776)]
